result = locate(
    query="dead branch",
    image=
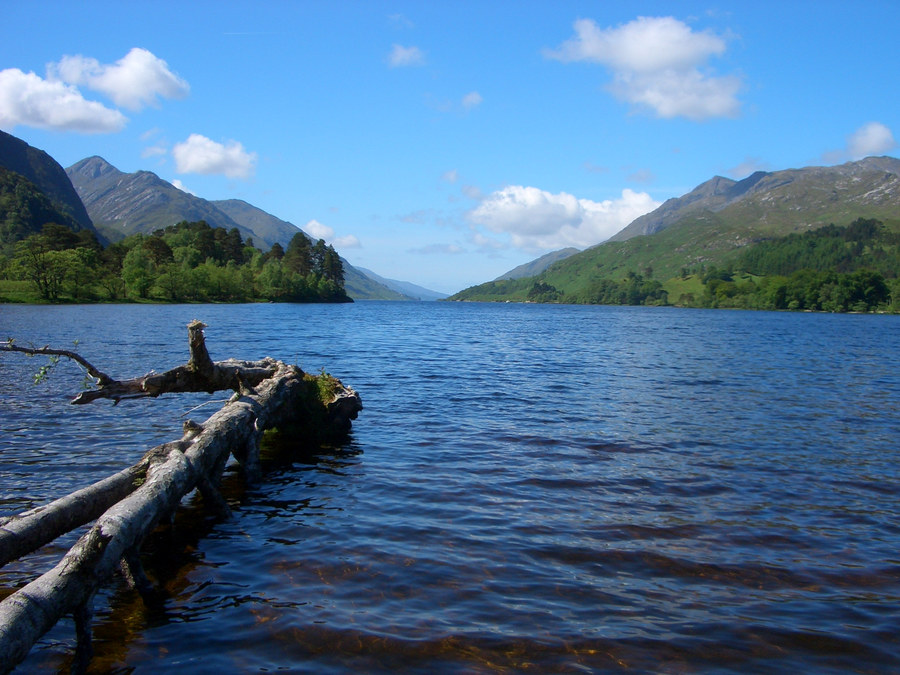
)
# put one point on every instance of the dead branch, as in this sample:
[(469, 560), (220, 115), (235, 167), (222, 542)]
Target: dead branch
[(101, 377), (128, 505)]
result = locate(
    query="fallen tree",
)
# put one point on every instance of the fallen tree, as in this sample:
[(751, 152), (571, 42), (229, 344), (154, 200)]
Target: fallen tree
[(127, 506)]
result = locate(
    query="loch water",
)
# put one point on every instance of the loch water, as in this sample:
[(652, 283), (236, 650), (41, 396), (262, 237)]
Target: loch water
[(530, 488)]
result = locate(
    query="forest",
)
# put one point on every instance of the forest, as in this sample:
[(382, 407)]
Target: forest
[(186, 262), (832, 269), (852, 268)]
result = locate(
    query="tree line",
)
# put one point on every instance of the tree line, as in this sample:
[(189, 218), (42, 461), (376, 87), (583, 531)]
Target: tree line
[(186, 262), (852, 268), (832, 269)]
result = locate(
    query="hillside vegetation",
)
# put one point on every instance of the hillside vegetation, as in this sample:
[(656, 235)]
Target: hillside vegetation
[(747, 239), (186, 262), (849, 268)]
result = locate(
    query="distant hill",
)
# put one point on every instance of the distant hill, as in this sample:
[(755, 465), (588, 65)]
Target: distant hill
[(266, 227), (537, 266), (49, 178), (712, 224), (405, 288), (123, 204)]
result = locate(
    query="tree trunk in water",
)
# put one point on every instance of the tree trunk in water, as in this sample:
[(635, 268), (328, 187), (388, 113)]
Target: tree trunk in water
[(129, 504)]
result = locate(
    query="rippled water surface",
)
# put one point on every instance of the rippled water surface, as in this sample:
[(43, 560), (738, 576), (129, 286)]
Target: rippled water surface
[(529, 489)]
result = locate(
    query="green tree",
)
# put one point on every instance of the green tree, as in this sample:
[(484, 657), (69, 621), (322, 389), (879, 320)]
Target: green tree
[(298, 256), (138, 272)]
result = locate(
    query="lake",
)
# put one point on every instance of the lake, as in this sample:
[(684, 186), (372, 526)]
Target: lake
[(530, 488)]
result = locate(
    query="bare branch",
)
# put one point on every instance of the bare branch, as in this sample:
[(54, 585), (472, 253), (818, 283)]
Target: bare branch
[(101, 377), (128, 505)]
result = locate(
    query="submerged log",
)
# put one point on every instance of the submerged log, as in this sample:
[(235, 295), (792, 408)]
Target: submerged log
[(128, 506)]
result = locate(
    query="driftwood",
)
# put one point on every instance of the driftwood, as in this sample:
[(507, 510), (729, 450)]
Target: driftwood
[(127, 506)]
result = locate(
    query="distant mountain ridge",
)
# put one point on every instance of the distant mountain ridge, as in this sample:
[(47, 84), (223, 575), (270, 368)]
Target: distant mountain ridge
[(122, 204), (411, 291), (798, 198), (537, 266), (48, 176)]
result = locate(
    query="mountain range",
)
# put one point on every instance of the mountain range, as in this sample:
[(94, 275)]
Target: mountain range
[(94, 195), (121, 204), (712, 223), (408, 289)]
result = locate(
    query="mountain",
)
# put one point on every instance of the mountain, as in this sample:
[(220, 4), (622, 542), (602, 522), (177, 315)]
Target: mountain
[(790, 199), (710, 225), (405, 288), (49, 178), (266, 227), (269, 229), (535, 267), (123, 204)]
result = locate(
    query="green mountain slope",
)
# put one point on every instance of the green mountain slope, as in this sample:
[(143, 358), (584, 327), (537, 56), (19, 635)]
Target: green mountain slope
[(537, 266), (25, 209), (265, 226), (48, 177), (712, 224)]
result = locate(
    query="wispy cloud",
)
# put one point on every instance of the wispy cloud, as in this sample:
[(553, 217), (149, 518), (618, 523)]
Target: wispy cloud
[(400, 21), (748, 166), (658, 63), (472, 100), (401, 56), (199, 154), (437, 249)]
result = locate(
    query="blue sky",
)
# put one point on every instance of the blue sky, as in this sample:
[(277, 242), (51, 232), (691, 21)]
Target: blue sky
[(444, 143)]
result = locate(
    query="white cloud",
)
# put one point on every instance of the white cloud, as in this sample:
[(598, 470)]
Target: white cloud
[(450, 176), (472, 100), (199, 154), (317, 230), (177, 183), (656, 62), (135, 81), (536, 220), (406, 56), (154, 151), (872, 138), (28, 99), (347, 241)]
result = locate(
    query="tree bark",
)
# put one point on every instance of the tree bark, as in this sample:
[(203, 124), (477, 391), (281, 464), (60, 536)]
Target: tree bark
[(129, 504)]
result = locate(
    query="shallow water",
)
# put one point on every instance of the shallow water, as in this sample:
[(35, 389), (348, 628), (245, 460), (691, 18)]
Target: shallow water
[(531, 488)]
